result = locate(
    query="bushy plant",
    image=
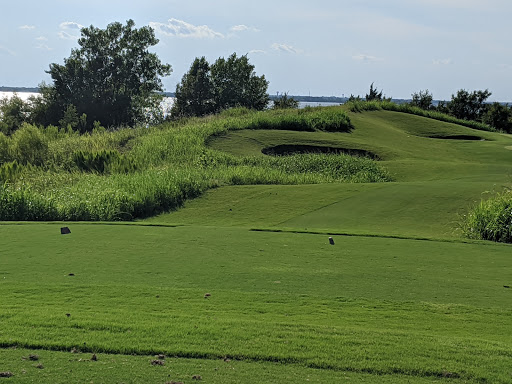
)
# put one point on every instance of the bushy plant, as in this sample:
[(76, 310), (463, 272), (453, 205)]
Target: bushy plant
[(490, 220), (285, 102), (29, 145), (14, 112)]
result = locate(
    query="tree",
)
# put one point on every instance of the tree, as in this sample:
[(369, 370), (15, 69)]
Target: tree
[(468, 106), (499, 117), (285, 102), (111, 77), (194, 94), (206, 89), (235, 84), (13, 113), (374, 95), (422, 99)]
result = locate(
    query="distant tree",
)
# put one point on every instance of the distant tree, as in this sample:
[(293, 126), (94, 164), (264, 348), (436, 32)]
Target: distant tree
[(468, 106), (235, 84), (374, 94), (499, 117), (194, 94), (285, 102), (14, 112), (354, 98), (111, 77), (225, 84), (422, 99)]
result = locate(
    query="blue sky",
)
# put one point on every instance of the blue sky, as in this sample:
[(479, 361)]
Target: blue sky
[(302, 47)]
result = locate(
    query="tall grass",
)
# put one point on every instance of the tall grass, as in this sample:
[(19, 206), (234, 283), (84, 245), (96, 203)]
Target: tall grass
[(361, 105), (331, 119), (136, 173), (490, 220)]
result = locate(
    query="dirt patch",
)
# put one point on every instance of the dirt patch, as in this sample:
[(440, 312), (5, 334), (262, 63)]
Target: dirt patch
[(294, 149)]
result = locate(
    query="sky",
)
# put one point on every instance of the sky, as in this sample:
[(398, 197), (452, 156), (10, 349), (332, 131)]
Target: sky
[(317, 48)]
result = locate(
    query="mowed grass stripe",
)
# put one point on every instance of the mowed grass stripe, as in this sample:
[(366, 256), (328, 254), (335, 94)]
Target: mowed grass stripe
[(368, 305), (419, 209), (64, 368)]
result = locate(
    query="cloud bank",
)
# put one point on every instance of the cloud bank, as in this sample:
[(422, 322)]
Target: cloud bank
[(285, 48), (69, 30), (182, 29)]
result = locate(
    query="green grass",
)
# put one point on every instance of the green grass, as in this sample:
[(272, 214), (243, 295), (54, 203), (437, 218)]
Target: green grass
[(402, 296), (138, 173), (366, 305), (64, 368)]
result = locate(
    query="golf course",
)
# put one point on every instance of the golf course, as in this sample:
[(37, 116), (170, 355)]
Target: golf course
[(322, 245)]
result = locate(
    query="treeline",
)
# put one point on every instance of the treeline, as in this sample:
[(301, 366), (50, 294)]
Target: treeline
[(467, 108)]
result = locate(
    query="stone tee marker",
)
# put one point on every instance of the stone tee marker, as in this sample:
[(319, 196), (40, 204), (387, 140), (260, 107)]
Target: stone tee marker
[(331, 241), (64, 231)]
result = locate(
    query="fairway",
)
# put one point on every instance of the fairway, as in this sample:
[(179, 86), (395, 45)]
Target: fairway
[(241, 284), (369, 305)]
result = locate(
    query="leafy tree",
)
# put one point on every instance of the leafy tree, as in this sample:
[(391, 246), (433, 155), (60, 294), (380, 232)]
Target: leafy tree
[(499, 116), (468, 106), (374, 94), (422, 99), (111, 77), (235, 84), (13, 113), (194, 94), (228, 83), (285, 102)]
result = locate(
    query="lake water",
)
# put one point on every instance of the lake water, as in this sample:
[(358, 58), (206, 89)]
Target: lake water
[(166, 103), (21, 95)]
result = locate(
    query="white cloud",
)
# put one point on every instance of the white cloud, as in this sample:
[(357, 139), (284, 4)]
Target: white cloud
[(285, 48), (70, 25), (43, 47), (180, 28), (70, 30), (366, 58), (4, 50), (242, 28), (258, 51), (41, 38), (442, 61), (27, 27)]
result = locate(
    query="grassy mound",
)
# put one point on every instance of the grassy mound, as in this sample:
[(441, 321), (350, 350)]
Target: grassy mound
[(360, 106), (138, 173)]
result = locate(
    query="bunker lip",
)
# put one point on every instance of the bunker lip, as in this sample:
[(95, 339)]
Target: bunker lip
[(457, 137), (294, 149)]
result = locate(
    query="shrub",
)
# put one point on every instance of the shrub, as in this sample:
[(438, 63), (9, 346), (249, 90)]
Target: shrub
[(285, 102), (29, 146), (490, 220)]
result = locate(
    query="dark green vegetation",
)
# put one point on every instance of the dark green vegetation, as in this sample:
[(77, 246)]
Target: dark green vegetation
[(227, 83), (138, 173), (244, 276), (111, 79)]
